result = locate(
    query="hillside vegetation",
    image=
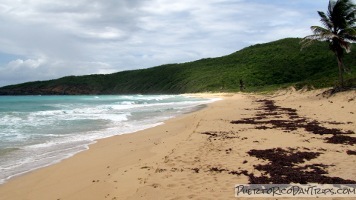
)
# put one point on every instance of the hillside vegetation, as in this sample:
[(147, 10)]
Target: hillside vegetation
[(271, 65)]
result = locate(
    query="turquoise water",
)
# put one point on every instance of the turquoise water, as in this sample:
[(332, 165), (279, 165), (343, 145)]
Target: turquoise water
[(36, 131)]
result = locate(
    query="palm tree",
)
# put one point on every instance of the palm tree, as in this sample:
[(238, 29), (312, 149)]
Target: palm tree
[(338, 29)]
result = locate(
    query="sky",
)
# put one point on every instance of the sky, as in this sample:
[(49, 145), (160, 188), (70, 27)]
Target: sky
[(41, 39)]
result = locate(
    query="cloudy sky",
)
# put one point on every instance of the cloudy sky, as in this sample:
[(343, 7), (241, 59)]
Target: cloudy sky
[(41, 39)]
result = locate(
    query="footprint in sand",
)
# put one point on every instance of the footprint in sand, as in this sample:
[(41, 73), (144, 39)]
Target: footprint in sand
[(155, 185), (171, 185)]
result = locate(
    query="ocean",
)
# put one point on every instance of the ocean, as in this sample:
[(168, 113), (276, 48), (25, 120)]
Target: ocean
[(37, 131)]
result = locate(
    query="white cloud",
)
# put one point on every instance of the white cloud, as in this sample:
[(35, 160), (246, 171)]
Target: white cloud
[(29, 63), (57, 38)]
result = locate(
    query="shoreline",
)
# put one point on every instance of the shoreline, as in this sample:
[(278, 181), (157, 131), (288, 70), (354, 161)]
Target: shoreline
[(63, 148), (198, 155)]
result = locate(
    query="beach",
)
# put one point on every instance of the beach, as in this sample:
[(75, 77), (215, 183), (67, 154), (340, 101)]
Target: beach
[(204, 154)]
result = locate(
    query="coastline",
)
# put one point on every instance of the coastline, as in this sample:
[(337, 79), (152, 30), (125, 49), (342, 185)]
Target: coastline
[(38, 138), (198, 155)]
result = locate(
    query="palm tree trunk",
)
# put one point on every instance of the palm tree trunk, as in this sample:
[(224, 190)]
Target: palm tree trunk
[(341, 71)]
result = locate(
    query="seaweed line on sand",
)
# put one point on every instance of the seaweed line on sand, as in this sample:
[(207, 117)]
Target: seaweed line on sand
[(267, 118)]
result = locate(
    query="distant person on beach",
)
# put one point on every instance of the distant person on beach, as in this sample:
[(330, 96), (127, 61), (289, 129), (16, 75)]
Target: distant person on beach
[(242, 85)]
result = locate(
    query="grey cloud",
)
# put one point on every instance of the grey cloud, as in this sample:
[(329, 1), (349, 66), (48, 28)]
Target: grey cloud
[(95, 36)]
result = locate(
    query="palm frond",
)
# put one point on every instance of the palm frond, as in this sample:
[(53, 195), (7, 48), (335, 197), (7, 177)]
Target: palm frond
[(350, 31), (350, 14), (341, 13), (345, 45), (350, 38), (331, 7), (325, 20), (307, 41), (353, 21), (323, 33), (310, 39)]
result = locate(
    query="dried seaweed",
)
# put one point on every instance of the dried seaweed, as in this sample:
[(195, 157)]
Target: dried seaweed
[(294, 121), (341, 139), (350, 152), (284, 168)]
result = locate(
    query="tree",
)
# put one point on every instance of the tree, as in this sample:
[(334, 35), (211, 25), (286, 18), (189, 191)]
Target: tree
[(338, 29)]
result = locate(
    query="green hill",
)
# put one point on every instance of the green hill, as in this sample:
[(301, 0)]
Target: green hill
[(275, 64)]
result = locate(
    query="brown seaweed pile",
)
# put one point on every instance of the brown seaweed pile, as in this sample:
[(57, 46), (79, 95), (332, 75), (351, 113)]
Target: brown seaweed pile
[(294, 121), (350, 152), (341, 139), (285, 167)]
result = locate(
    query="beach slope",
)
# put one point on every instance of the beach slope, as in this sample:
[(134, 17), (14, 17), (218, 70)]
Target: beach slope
[(202, 155)]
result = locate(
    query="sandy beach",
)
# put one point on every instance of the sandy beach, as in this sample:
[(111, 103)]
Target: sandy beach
[(286, 137)]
